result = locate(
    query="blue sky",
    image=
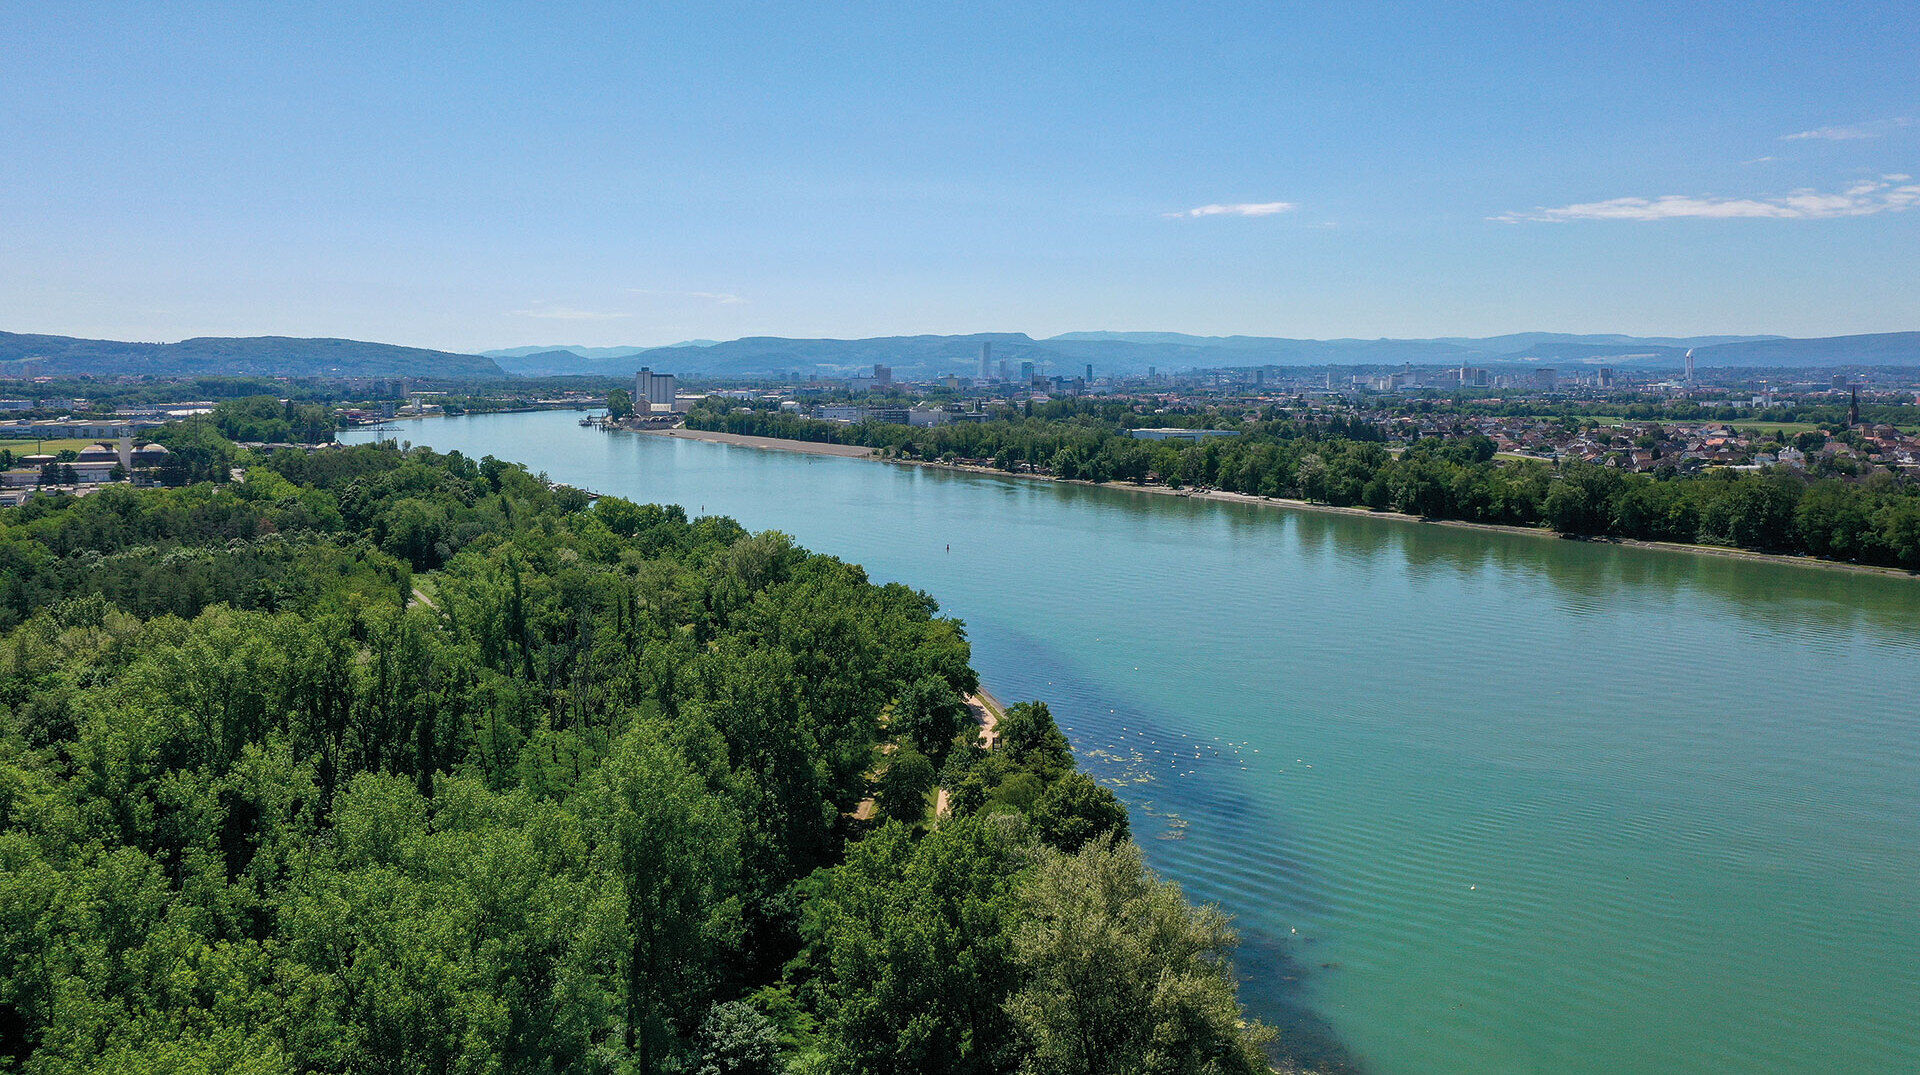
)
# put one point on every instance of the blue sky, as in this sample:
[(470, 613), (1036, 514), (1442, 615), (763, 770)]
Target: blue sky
[(492, 175)]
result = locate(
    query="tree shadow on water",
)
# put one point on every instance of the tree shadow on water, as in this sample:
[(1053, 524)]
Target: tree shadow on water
[(1277, 993), (1194, 817)]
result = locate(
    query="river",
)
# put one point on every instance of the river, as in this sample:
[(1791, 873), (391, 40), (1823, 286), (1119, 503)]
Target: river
[(1478, 801)]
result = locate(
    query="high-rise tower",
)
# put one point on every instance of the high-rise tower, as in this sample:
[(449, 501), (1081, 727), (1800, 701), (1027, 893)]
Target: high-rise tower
[(986, 358), (1689, 361)]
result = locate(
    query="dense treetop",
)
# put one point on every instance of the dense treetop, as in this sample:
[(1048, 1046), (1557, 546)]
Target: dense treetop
[(384, 760)]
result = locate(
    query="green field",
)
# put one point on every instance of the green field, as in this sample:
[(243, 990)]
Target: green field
[(1789, 428), (51, 446)]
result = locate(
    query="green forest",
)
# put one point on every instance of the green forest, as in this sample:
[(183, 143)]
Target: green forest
[(389, 761), (1342, 460)]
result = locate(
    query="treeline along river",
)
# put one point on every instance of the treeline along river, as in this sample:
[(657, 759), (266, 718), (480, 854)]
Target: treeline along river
[(1479, 801)]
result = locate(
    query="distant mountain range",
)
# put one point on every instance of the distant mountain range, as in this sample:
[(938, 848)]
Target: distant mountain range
[(928, 356), (267, 356), (1135, 352), (587, 352), (552, 361)]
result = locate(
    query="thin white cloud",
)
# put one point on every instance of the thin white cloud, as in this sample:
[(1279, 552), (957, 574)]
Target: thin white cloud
[(1758, 160), (718, 298), (1889, 194), (1830, 134), (1236, 209), (568, 313), (1850, 132)]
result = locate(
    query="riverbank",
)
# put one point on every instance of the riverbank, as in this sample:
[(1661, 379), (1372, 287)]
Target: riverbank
[(1461, 524), (805, 447), (986, 711), (814, 448)]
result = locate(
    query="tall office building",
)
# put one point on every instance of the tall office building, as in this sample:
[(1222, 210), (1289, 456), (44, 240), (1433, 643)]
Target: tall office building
[(1026, 372), (652, 391), (986, 357), (1689, 365), (882, 375), (1089, 373)]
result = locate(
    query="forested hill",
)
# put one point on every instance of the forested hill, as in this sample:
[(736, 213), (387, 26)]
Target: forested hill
[(387, 761), (262, 356), (1873, 349)]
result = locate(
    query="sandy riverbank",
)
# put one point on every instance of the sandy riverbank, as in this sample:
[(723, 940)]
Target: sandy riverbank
[(814, 448), (805, 447), (986, 710)]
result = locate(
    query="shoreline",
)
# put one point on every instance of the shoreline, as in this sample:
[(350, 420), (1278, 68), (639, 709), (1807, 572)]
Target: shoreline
[(778, 444), (772, 444), (987, 711)]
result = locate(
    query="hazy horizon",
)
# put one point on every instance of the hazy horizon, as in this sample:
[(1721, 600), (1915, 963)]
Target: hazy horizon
[(552, 346), (608, 175)]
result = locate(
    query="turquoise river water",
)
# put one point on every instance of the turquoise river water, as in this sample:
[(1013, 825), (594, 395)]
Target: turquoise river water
[(1478, 801)]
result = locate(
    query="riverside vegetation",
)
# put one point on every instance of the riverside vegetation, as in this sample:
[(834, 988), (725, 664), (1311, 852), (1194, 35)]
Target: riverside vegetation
[(390, 761), (1341, 460)]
